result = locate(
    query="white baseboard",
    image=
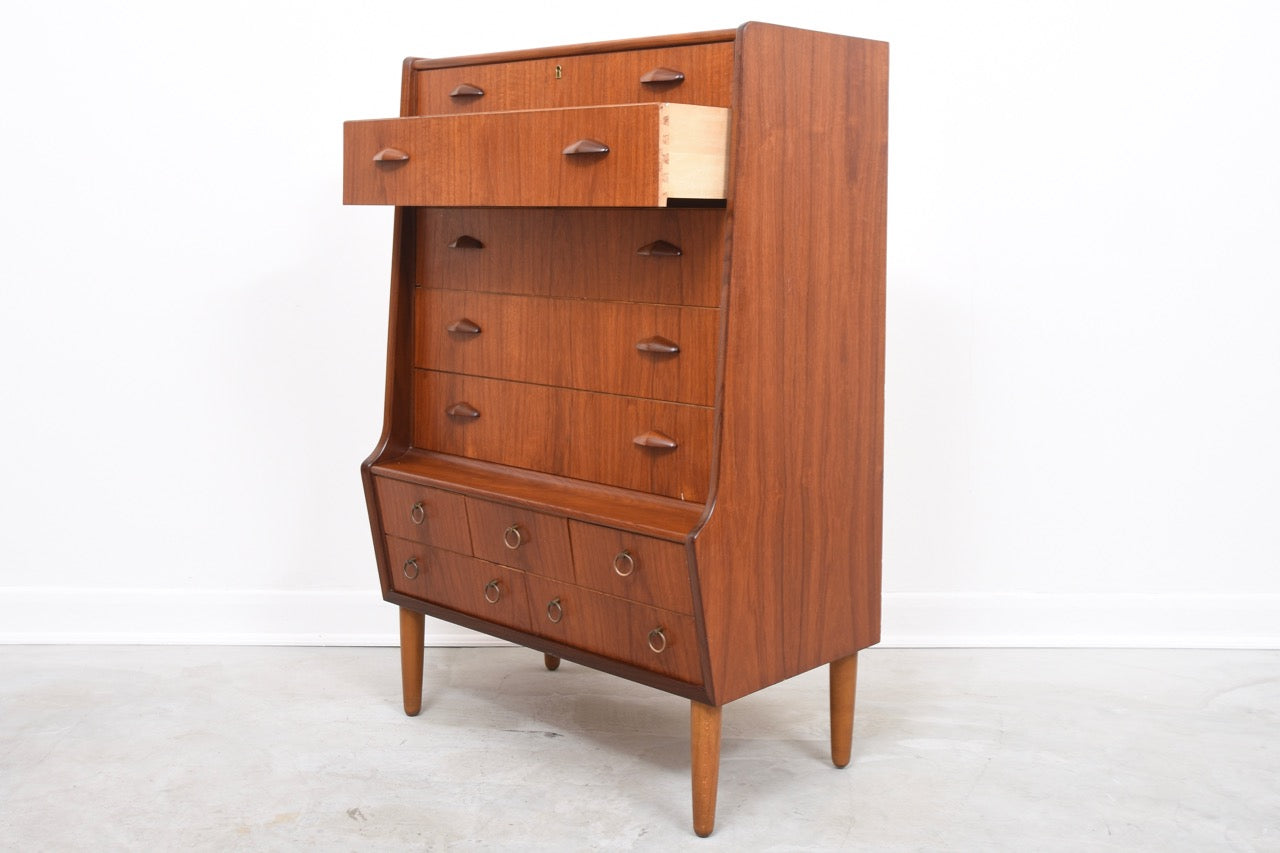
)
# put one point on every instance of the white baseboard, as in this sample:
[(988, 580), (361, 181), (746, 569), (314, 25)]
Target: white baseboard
[(357, 618)]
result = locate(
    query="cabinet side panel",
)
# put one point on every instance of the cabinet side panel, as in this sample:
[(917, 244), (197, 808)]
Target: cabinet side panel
[(789, 558)]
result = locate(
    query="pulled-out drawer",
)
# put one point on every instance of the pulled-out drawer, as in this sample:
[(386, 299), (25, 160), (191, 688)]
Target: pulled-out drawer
[(634, 155)]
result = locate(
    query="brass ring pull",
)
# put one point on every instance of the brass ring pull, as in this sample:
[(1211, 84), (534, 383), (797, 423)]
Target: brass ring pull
[(418, 513), (411, 563), (555, 611), (621, 560), (492, 587), (657, 640), (513, 537)]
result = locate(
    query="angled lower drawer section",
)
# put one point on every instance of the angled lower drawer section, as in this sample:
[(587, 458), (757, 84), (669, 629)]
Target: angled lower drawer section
[(474, 587), (634, 155), (649, 637), (646, 445)]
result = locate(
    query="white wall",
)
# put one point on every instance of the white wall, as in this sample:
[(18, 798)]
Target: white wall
[(1083, 395)]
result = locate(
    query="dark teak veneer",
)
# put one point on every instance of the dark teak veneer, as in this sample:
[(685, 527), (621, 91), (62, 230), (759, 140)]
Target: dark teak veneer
[(635, 373)]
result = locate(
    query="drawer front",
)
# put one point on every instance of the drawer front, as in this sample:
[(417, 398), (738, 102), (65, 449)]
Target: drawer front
[(670, 256), (630, 566), (651, 152), (656, 351), (580, 81), (663, 448), (423, 514), (522, 538), (617, 629), (465, 584)]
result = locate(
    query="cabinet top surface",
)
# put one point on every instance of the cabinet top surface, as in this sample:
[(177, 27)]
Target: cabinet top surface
[(673, 40), (589, 47)]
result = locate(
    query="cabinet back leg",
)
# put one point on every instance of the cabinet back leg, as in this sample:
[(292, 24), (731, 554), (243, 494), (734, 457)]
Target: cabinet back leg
[(704, 731), (412, 639), (844, 679), (552, 662)]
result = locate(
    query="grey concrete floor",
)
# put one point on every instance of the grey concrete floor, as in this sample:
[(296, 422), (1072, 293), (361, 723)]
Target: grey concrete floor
[(232, 748)]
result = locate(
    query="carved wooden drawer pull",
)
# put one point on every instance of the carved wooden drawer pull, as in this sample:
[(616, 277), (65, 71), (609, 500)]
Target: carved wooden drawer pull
[(463, 326), (655, 439), (466, 241), (662, 75), (466, 90), (660, 249), (586, 146), (659, 344), (462, 410), (390, 155)]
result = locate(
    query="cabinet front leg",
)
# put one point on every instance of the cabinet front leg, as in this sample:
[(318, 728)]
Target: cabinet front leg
[(844, 679), (412, 638), (704, 733)]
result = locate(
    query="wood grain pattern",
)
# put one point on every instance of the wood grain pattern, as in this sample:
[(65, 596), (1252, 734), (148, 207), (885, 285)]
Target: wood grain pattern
[(789, 559), (576, 254), (459, 583), (573, 343), (579, 434), (614, 46), (614, 627), (441, 520), (516, 158), (652, 571), (542, 543), (584, 80)]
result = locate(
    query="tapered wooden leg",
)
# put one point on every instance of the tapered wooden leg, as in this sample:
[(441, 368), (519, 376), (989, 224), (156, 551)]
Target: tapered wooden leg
[(704, 733), (844, 678), (412, 638), (552, 662)]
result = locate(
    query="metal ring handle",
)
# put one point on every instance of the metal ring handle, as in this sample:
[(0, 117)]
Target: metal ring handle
[(657, 640), (555, 611), (497, 591), (513, 537), (411, 563), (624, 558), (418, 513)]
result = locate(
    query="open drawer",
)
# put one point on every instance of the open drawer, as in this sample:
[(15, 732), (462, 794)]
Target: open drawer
[(634, 155)]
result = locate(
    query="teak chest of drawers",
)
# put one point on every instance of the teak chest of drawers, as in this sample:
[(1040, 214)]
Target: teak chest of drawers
[(634, 401)]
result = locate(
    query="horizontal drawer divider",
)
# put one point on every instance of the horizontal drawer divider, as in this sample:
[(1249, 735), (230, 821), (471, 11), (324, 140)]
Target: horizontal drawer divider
[(421, 369), (638, 512)]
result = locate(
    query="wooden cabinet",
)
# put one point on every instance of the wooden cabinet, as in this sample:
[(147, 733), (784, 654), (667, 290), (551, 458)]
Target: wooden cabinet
[(634, 400)]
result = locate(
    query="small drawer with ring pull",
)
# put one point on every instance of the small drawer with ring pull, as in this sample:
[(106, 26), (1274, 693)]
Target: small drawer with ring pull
[(423, 514)]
